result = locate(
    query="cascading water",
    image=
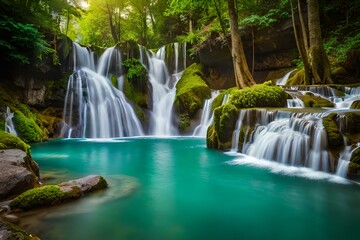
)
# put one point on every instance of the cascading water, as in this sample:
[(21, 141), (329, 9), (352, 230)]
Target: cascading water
[(93, 107), (207, 116), (283, 80), (9, 125), (297, 140), (163, 86)]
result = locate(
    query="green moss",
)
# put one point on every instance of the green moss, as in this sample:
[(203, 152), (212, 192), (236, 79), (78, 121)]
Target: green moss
[(310, 100), (260, 95), (8, 141), (219, 98), (226, 116), (16, 232), (355, 105), (27, 129), (334, 136), (191, 90), (354, 168), (211, 138), (42, 197), (297, 79), (114, 81), (138, 97), (353, 119), (184, 122)]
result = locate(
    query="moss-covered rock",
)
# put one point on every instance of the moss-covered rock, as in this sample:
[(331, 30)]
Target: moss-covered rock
[(217, 102), (334, 136), (260, 95), (353, 121), (43, 197), (355, 105), (226, 116), (191, 90), (10, 231), (354, 165), (297, 78), (8, 141), (184, 122), (211, 138), (27, 129), (310, 100), (136, 74)]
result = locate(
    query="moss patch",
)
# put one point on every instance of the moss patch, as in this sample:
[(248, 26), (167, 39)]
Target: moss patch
[(191, 90), (42, 197), (310, 100), (15, 233), (184, 122), (219, 98), (27, 129), (260, 95), (297, 79), (355, 105), (353, 119), (334, 136), (8, 141)]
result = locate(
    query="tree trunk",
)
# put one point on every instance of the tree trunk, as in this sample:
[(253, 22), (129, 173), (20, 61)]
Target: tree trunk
[(112, 27), (243, 77), (299, 39), (318, 60)]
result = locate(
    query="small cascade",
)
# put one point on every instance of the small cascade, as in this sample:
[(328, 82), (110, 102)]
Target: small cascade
[(283, 80), (9, 125), (323, 91), (344, 160), (236, 133), (82, 57), (163, 85), (296, 139), (93, 107), (295, 103), (207, 116)]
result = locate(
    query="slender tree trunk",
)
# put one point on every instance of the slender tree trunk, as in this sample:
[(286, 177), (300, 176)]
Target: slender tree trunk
[(303, 28), (253, 51), (243, 77), (301, 46), (318, 60), (112, 27)]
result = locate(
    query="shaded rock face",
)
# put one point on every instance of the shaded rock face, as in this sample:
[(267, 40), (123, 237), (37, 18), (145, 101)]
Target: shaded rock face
[(18, 172), (274, 50)]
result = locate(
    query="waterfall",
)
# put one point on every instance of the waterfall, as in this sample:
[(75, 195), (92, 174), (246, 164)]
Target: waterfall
[(298, 139), (295, 103), (93, 107), (207, 116), (163, 85), (9, 125), (344, 160), (283, 80)]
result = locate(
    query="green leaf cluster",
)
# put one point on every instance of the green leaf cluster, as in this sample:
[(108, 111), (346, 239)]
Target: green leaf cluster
[(22, 43)]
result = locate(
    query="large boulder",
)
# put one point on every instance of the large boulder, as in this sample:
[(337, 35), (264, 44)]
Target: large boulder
[(18, 172)]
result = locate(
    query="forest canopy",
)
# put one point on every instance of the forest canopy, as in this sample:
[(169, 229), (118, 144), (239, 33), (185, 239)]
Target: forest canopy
[(28, 27)]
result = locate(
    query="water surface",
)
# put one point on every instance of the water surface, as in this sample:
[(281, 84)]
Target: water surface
[(179, 189)]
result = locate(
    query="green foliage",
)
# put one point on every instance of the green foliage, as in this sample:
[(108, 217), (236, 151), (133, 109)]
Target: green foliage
[(334, 136), (191, 90), (43, 196), (135, 71), (22, 43), (27, 129), (211, 138), (8, 141)]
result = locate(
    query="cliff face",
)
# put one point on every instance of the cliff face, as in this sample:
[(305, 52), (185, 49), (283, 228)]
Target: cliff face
[(274, 54)]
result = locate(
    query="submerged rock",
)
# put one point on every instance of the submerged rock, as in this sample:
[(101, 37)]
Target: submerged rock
[(18, 172)]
